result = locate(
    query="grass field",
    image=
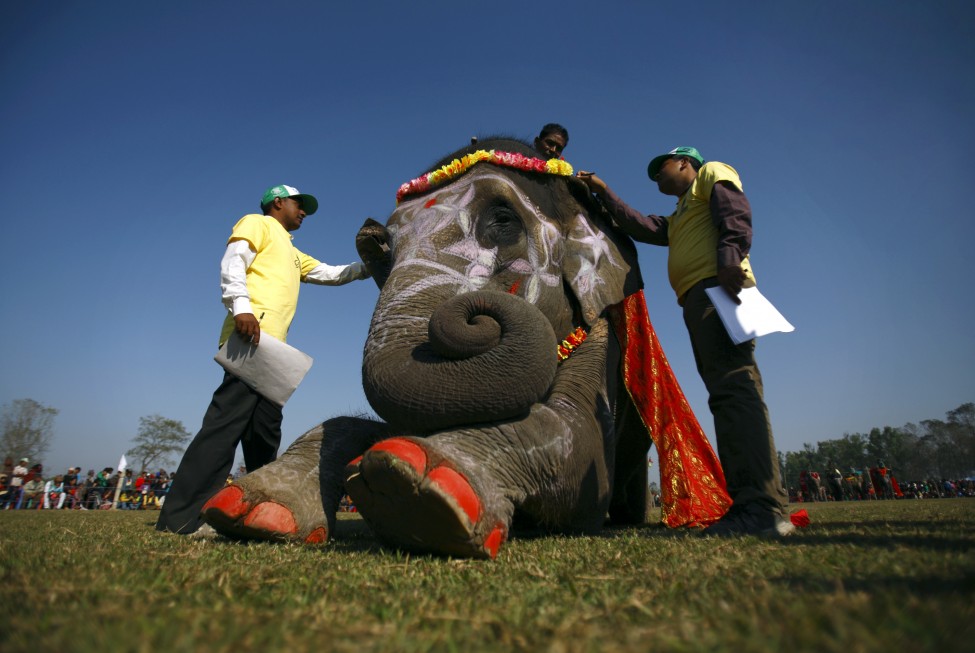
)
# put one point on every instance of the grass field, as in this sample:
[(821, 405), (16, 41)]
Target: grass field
[(876, 576)]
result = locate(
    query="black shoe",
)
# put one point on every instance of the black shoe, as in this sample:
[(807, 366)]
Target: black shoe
[(750, 519)]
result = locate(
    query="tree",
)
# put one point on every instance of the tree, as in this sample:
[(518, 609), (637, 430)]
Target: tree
[(158, 439), (845, 453), (934, 449), (962, 421), (952, 443), (809, 459), (27, 429)]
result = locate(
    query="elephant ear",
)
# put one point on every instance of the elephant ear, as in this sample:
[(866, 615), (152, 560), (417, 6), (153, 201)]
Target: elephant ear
[(372, 243), (600, 263)]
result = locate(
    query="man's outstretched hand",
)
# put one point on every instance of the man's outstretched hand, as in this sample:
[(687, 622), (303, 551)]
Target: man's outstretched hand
[(595, 184)]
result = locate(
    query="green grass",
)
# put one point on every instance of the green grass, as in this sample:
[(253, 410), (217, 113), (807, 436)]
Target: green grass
[(878, 576)]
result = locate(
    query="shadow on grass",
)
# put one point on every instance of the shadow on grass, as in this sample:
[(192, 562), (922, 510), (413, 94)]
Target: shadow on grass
[(927, 525), (829, 534), (931, 543), (924, 585)]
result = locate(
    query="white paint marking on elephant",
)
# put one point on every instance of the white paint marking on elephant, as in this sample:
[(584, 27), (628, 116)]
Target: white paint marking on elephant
[(430, 258), (597, 245), (415, 227)]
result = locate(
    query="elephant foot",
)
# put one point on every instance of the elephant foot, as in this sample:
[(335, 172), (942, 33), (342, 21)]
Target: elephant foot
[(230, 513), (421, 505), (280, 501)]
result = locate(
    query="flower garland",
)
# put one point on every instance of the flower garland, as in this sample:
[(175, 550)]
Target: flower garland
[(570, 343), (458, 167)]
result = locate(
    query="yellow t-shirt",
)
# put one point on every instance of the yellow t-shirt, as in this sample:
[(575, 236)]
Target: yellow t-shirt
[(692, 234), (274, 278)]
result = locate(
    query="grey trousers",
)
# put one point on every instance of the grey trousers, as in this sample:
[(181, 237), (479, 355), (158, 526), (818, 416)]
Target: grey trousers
[(236, 415), (741, 423)]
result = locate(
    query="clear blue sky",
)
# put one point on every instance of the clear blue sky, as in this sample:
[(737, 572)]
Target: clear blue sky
[(133, 135)]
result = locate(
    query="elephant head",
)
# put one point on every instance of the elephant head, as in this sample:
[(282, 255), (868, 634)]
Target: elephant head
[(481, 278)]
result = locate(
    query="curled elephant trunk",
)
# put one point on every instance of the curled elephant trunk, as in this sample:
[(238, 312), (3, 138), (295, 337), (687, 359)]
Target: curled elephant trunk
[(483, 357)]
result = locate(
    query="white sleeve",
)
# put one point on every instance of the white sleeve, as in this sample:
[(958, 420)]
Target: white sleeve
[(233, 276), (336, 275)]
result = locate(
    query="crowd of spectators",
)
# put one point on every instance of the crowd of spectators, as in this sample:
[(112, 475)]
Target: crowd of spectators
[(25, 487), (939, 489), (873, 483)]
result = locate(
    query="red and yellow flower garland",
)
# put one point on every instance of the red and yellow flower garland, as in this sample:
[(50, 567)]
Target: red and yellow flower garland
[(573, 340), (460, 166)]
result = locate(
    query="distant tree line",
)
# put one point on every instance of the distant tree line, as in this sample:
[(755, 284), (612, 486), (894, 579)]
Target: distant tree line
[(933, 449)]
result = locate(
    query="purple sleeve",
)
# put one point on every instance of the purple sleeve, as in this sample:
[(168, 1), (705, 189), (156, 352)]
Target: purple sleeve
[(644, 228), (732, 216)]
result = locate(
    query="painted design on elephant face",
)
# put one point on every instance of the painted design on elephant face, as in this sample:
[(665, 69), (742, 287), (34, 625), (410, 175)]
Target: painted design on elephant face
[(438, 235), (592, 246)]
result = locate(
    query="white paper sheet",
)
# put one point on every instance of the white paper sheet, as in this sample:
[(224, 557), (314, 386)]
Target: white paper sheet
[(754, 317), (273, 368)]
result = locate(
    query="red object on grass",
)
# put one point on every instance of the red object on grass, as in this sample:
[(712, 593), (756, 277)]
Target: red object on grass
[(800, 518)]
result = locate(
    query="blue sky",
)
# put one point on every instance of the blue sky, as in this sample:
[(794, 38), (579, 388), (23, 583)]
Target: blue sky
[(134, 135)]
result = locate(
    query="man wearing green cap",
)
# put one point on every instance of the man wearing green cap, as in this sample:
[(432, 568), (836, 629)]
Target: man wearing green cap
[(709, 236), (260, 274)]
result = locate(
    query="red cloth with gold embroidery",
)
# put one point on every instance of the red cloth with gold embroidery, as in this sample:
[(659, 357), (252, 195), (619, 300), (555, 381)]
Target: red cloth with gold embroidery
[(693, 491)]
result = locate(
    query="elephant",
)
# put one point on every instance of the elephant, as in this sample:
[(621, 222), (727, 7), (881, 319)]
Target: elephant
[(484, 268)]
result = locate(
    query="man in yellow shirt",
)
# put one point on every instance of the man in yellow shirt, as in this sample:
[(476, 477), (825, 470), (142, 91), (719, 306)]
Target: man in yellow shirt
[(709, 236), (260, 275)]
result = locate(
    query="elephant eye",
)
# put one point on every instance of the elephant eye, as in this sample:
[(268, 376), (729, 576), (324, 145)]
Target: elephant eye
[(499, 225)]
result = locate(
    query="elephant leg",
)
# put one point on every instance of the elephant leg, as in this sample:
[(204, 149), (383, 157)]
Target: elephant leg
[(348, 438), (629, 501), (279, 501), (455, 492), (283, 500), (415, 499)]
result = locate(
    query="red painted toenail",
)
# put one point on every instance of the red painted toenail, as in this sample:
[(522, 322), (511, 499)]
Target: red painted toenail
[(317, 536), (404, 450), (229, 502), (457, 486), (272, 518), (493, 541)]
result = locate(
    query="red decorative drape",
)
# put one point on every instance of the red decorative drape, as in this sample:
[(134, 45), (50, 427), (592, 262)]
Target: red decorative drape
[(693, 491)]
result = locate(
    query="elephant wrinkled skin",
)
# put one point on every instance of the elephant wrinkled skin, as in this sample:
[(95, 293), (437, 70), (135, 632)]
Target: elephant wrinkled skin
[(482, 427)]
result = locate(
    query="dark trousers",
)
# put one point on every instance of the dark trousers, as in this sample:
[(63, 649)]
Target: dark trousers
[(741, 423), (237, 414)]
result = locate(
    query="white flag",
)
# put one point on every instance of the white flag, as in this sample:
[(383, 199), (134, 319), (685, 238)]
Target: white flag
[(122, 464)]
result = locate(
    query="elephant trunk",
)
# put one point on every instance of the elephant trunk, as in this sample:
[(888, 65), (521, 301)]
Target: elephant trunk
[(482, 356)]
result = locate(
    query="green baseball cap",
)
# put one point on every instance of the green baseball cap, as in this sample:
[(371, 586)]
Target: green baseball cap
[(308, 202), (657, 161)]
